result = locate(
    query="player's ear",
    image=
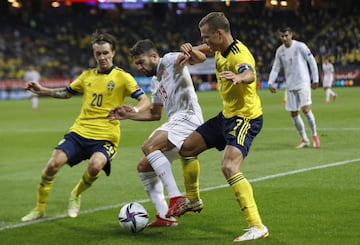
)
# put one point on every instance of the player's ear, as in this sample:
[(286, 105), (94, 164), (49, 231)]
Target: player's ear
[(220, 32), (154, 55)]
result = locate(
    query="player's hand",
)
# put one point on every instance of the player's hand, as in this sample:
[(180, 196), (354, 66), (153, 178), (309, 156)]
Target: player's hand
[(272, 88), (314, 85), (186, 48), (182, 59), (229, 75), (118, 113), (33, 87)]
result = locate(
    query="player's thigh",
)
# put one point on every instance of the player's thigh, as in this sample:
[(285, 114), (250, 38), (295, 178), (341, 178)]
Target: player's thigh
[(193, 145), (96, 162), (304, 97), (157, 141), (327, 83), (291, 103)]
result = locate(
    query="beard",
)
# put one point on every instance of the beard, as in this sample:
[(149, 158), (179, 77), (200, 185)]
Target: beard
[(152, 71)]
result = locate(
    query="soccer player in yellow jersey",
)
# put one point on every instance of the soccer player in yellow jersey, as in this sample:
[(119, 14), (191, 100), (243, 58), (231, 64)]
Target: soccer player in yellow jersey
[(92, 136), (236, 126)]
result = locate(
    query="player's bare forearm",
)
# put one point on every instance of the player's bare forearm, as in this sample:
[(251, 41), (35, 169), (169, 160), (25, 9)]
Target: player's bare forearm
[(204, 48), (245, 77), (36, 88), (143, 103), (60, 93), (121, 113), (152, 114), (196, 56)]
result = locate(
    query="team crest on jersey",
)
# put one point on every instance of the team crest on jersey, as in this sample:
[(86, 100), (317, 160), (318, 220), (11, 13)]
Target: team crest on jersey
[(110, 86)]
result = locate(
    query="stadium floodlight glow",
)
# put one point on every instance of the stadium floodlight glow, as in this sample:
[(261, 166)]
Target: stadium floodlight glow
[(283, 3), (55, 4), (16, 4), (274, 2)]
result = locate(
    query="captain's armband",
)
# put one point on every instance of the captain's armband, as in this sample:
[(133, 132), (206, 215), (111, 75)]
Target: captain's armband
[(244, 67)]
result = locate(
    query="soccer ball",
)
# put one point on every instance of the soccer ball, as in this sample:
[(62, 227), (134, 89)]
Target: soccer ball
[(133, 217)]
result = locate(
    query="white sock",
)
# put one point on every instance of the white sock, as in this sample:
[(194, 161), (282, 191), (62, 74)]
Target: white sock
[(162, 168), (155, 190), (34, 102), (327, 94), (299, 125), (311, 121)]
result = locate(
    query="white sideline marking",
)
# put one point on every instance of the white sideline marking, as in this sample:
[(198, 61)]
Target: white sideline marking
[(273, 176)]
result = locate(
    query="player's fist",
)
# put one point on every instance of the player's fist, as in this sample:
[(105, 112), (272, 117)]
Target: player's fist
[(117, 113)]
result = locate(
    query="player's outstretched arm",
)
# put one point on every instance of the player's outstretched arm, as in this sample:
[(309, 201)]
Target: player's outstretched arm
[(36, 88), (128, 112)]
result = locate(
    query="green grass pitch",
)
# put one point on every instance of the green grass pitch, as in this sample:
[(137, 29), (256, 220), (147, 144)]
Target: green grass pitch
[(308, 196)]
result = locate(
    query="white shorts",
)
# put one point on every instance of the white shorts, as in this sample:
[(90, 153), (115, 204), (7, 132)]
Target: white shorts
[(180, 126), (327, 83), (295, 99)]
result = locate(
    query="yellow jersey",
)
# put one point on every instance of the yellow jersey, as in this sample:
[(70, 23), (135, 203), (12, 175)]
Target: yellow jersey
[(101, 92), (240, 99)]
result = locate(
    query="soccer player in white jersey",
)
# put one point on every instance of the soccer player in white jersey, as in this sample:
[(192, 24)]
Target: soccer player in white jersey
[(296, 58), (172, 88), (32, 75), (328, 70)]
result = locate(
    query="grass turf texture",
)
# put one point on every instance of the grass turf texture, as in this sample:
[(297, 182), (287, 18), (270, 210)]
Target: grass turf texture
[(318, 206)]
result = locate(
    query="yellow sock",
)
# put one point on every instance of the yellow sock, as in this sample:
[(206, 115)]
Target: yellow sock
[(84, 183), (44, 187), (244, 196), (191, 172)]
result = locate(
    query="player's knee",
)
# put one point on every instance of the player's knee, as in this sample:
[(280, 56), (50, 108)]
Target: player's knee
[(93, 171), (229, 169), (147, 148), (140, 167), (94, 168), (144, 166), (187, 151), (53, 166)]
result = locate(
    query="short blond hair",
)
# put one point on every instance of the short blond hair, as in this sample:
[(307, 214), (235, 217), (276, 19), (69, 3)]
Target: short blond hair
[(215, 20)]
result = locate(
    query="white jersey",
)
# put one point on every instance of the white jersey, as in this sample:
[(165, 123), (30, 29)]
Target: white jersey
[(296, 61), (173, 87), (328, 70), (32, 76)]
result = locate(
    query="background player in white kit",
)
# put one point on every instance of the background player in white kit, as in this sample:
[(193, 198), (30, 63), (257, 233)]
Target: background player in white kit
[(328, 70), (296, 59), (32, 75), (171, 87)]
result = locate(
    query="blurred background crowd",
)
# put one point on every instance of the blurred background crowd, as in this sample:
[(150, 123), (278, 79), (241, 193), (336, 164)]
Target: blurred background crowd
[(57, 39)]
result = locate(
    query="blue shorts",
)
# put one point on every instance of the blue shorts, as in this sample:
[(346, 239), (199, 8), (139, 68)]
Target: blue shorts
[(78, 148), (236, 131)]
